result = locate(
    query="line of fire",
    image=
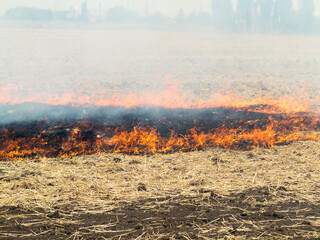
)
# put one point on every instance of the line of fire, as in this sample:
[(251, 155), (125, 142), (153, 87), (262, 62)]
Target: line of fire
[(70, 130)]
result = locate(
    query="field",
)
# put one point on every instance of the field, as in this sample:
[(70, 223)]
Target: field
[(208, 194), (40, 62)]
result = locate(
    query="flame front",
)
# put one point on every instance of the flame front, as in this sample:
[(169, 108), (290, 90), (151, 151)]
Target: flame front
[(289, 120), (170, 96), (83, 138), (148, 140)]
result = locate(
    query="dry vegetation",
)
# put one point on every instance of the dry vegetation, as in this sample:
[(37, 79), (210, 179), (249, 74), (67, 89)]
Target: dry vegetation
[(210, 194), (207, 194)]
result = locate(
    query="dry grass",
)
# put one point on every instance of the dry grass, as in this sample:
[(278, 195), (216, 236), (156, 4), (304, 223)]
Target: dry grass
[(106, 183), (100, 180)]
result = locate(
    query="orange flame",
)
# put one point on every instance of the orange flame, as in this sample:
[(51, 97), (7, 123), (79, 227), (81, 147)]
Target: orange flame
[(147, 140), (170, 97), (296, 123)]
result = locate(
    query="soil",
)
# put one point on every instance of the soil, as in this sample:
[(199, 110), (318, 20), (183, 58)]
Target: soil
[(245, 214)]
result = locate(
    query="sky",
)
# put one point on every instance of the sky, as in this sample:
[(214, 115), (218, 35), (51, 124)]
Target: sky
[(142, 6)]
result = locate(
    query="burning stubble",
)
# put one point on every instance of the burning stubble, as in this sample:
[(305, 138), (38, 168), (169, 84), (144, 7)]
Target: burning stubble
[(153, 130)]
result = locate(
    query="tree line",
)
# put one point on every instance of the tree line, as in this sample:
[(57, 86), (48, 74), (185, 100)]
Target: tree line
[(264, 15), (227, 15)]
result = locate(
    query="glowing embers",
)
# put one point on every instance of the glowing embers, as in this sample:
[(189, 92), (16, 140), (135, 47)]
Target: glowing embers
[(156, 130)]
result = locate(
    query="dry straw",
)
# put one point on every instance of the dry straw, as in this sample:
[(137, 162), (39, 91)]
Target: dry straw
[(102, 182)]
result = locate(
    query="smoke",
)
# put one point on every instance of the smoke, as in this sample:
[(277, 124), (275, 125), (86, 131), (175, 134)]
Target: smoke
[(63, 62)]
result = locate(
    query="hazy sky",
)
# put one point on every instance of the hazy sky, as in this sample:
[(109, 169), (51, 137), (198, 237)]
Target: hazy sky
[(143, 6)]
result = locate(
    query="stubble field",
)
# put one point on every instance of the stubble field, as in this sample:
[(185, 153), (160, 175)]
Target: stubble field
[(209, 194)]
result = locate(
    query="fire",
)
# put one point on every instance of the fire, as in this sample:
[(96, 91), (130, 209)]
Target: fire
[(77, 138), (148, 140), (245, 125), (170, 96)]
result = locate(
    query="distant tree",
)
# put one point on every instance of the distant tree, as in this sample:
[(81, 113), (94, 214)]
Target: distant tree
[(29, 14), (248, 15), (71, 14), (84, 12), (199, 18), (265, 11), (223, 14), (155, 19), (307, 7), (181, 18), (283, 16), (122, 15), (306, 10), (60, 15)]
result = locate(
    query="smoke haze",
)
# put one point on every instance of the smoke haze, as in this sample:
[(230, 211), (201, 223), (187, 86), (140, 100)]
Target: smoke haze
[(252, 49)]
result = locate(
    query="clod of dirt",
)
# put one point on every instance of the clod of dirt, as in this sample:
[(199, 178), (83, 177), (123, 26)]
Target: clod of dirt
[(282, 188), (90, 163), (297, 153), (117, 160), (195, 183), (55, 214), (28, 173), (250, 155), (142, 187), (306, 223), (138, 226), (134, 162), (202, 190), (215, 160), (278, 215)]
